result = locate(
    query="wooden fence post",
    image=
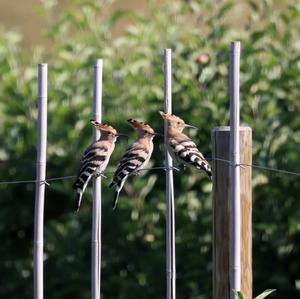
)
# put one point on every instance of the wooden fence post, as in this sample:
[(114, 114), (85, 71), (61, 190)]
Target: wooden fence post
[(221, 212)]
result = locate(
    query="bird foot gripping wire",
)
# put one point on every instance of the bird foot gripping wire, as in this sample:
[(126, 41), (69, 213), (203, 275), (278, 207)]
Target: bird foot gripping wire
[(171, 168), (238, 165), (137, 172), (99, 174), (241, 165)]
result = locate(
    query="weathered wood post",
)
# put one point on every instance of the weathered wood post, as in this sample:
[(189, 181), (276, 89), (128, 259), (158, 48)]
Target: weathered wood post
[(222, 212)]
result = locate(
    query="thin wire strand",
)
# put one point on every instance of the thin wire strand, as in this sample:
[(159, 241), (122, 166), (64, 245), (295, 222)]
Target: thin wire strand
[(272, 169), (18, 182), (73, 176), (258, 167), (243, 165), (61, 178)]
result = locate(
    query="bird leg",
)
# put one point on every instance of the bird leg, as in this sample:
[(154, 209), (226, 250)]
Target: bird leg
[(99, 174), (136, 172)]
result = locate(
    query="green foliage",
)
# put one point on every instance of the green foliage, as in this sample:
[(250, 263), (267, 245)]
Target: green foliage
[(199, 32), (263, 295)]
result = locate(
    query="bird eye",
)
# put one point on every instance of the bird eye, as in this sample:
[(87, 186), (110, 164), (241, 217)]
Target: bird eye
[(145, 131), (178, 123)]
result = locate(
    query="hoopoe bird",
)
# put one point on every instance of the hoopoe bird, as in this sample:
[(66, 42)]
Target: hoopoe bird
[(135, 158), (180, 146), (95, 158)]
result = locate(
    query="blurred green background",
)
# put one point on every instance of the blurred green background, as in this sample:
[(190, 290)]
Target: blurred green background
[(130, 39)]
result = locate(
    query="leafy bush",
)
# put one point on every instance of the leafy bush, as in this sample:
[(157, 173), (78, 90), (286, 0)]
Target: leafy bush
[(263, 295), (199, 32)]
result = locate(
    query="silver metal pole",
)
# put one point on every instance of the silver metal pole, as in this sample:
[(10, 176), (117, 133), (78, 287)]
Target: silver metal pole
[(96, 231), (40, 185), (170, 217), (235, 250)]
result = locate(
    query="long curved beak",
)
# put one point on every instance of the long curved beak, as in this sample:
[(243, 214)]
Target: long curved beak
[(190, 126), (158, 134), (122, 135)]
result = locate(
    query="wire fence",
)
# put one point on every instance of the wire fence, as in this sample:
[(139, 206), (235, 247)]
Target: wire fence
[(242, 165)]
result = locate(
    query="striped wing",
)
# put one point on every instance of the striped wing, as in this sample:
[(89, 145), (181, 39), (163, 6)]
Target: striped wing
[(95, 158), (187, 153), (134, 159)]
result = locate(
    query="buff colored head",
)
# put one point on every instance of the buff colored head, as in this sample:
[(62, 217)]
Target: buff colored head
[(104, 128), (141, 127), (175, 121)]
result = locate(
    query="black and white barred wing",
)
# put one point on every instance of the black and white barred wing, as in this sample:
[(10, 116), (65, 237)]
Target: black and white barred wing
[(94, 161), (186, 152), (134, 159)]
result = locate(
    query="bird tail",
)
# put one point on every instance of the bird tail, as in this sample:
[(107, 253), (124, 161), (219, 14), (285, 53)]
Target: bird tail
[(119, 185), (209, 173), (111, 184), (204, 165), (78, 200), (116, 197), (207, 169)]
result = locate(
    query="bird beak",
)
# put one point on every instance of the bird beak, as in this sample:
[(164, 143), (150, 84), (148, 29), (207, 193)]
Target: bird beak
[(158, 134), (120, 134), (190, 126)]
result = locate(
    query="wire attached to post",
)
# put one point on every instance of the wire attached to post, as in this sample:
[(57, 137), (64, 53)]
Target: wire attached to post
[(234, 172), (170, 202), (242, 165)]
